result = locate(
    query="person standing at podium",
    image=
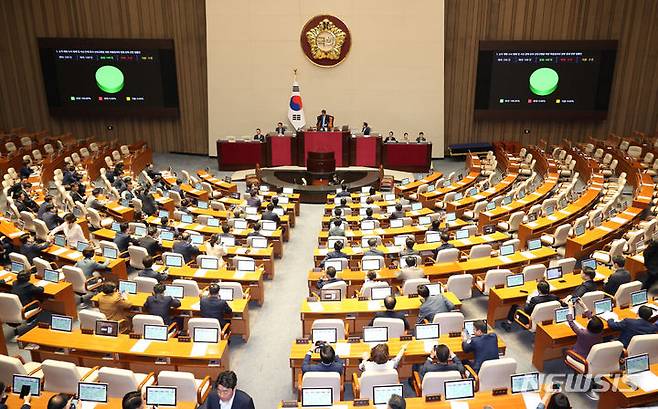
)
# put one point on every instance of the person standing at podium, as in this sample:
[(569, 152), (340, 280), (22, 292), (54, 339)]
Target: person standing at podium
[(259, 136), (325, 122), (366, 129), (280, 129), (390, 137)]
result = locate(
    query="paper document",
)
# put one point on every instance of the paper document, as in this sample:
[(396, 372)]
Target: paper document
[(606, 229), (141, 345), (199, 349), (531, 399), (428, 344), (75, 255), (609, 315), (88, 405), (315, 306), (323, 252), (343, 349), (505, 259), (374, 305), (552, 218), (465, 242), (647, 381), (241, 250), (200, 272), (60, 251), (183, 225), (41, 283), (619, 220), (459, 404), (238, 275), (527, 254)]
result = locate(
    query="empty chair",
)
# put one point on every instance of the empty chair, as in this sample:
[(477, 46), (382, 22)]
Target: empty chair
[(447, 256), (337, 285), (568, 264), (480, 251), (137, 255), (588, 299), (63, 377), (603, 359), (116, 156), (335, 323), (28, 220), (635, 152), (238, 292), (366, 288), (449, 322), (395, 326), (121, 381), (559, 238), (512, 225), (145, 284), (642, 344), (541, 312), (124, 150), (461, 285), (41, 230), (10, 365), (190, 287), (204, 323), (41, 266), (88, 318), (492, 279), (81, 284), (363, 386), (323, 380), (533, 272), (475, 213), (140, 320), (616, 249), (623, 295), (188, 389), (495, 374), (410, 286)]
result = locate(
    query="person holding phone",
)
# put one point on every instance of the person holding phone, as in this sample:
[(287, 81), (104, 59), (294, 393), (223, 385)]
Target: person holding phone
[(586, 338), (554, 400)]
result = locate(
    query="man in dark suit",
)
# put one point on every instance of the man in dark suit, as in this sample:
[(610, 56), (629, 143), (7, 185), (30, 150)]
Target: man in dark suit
[(151, 245), (484, 346), (325, 122), (42, 207), (50, 217), (421, 137), (343, 192), (149, 272), (77, 193), (70, 176), (184, 247), (25, 171), (389, 303), (390, 137), (25, 204), (160, 304), (270, 215), (438, 361), (24, 289), (123, 239), (619, 277), (630, 327), (587, 274), (30, 249), (366, 129), (253, 199), (280, 129), (328, 277), (225, 391), (397, 213), (445, 238), (329, 362), (93, 201), (544, 295), (212, 306), (149, 205), (337, 253), (259, 136)]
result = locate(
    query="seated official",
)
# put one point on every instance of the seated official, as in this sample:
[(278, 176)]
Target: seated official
[(226, 231), (396, 402), (365, 129), (149, 205), (432, 304), (372, 248), (369, 213), (78, 193), (436, 226), (280, 129), (112, 304), (587, 337), (183, 246), (483, 346), (259, 136), (441, 359), (408, 249), (338, 214), (398, 213), (47, 199), (390, 137), (445, 238), (389, 303), (88, 265), (24, 289), (337, 253), (25, 204), (329, 362), (72, 230), (324, 122), (618, 277), (25, 171), (630, 327), (554, 400), (269, 214), (70, 176), (149, 272), (214, 307), (257, 231), (30, 249), (93, 201), (152, 246), (543, 295), (225, 395), (253, 199), (405, 137), (215, 248), (50, 217), (421, 137), (343, 192), (122, 239), (133, 400), (378, 359), (160, 304), (411, 271), (587, 274), (337, 228), (328, 277)]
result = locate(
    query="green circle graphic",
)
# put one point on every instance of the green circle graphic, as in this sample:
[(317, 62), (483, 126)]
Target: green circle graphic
[(109, 79), (543, 81)]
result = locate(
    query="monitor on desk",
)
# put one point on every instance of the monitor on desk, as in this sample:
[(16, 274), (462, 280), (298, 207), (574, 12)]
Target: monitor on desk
[(491, 206), (473, 192), (161, 214), (415, 206), (390, 209), (433, 237), (116, 226), (367, 225), (525, 382), (227, 241), (198, 186), (588, 262), (596, 222), (460, 389), (400, 240), (521, 194), (369, 264), (166, 235), (427, 331), (405, 181), (264, 188), (51, 275), (469, 326), (111, 253), (175, 291), (209, 263), (329, 335), (279, 211), (125, 203), (61, 323), (580, 229), (317, 397), (81, 245), (379, 293), (636, 364), (451, 217), (396, 223), (251, 210), (506, 250), (489, 229), (205, 334), (553, 273), (330, 294), (534, 244), (458, 196), (186, 218), (156, 332), (447, 183), (434, 288), (375, 334), (92, 392), (173, 260), (60, 240), (639, 298), (424, 220), (140, 231), (161, 395), (127, 287), (213, 222), (282, 201), (560, 314), (431, 188), (196, 239), (107, 328), (17, 267), (335, 263), (32, 381), (246, 265), (268, 225), (507, 200), (226, 293), (381, 394), (462, 234), (532, 217), (549, 210), (288, 191), (514, 280), (202, 205), (602, 306)]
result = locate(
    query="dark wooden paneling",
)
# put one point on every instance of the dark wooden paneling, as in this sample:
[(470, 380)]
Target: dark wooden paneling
[(634, 98), (23, 100)]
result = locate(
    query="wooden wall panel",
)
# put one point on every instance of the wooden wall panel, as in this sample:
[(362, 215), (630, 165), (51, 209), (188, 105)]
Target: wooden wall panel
[(22, 95), (634, 97)]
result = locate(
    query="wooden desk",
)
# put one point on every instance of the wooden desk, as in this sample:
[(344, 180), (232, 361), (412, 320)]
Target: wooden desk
[(359, 313), (122, 213), (417, 230), (190, 190), (121, 352), (9, 229), (429, 199), (57, 297), (66, 255), (635, 265), (416, 353), (628, 398), (284, 221), (466, 203), (412, 187), (355, 220), (41, 402), (222, 185)]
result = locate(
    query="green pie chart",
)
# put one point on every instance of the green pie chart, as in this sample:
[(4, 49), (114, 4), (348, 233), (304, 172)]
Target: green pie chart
[(109, 79), (543, 81)]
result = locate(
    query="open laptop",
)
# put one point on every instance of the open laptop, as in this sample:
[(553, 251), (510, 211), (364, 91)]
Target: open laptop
[(553, 273), (514, 280), (534, 244), (459, 389), (127, 287), (451, 217), (381, 394), (209, 263), (375, 334), (560, 315), (435, 288), (205, 334), (506, 250), (51, 275), (259, 242), (317, 397), (32, 382), (462, 234), (161, 396), (330, 294), (588, 262), (107, 328), (226, 293), (175, 291), (371, 264), (110, 252), (246, 265), (335, 263)]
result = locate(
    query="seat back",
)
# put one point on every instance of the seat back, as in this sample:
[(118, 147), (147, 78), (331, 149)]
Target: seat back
[(60, 376), (533, 272), (41, 230), (373, 378), (28, 220), (447, 256), (515, 220), (202, 323), (603, 358), (366, 289), (89, 317), (461, 285), (433, 381), (495, 373), (323, 380), (76, 277), (644, 344), (238, 293), (137, 255), (145, 284), (449, 322), (623, 294), (561, 235), (588, 299), (336, 323), (543, 312), (120, 381), (190, 287), (338, 285), (568, 264), (10, 366), (20, 258), (480, 251), (186, 385), (495, 278), (395, 326), (140, 320), (411, 286)]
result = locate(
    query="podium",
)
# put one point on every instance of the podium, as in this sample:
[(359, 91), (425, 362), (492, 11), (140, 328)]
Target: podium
[(366, 150), (239, 155), (281, 150), (315, 141), (407, 156)]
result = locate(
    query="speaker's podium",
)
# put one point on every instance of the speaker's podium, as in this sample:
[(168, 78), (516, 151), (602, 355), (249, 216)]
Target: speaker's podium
[(337, 142), (321, 166)]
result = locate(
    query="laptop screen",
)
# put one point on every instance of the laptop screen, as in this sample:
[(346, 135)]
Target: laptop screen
[(212, 222), (317, 397), (602, 306), (32, 381), (61, 323), (399, 240), (549, 210), (209, 263), (109, 252), (166, 235), (324, 334), (554, 272), (427, 331), (637, 363), (431, 188), (371, 264), (246, 265), (379, 293), (507, 200), (435, 288), (202, 205), (60, 240), (491, 205), (514, 280), (81, 245), (161, 214), (506, 250), (416, 206), (525, 382), (469, 326), (278, 210), (155, 332), (638, 298), (560, 315), (451, 217), (588, 262), (534, 244), (161, 395), (375, 334), (251, 210), (107, 328), (337, 264), (240, 224), (423, 220), (330, 294), (404, 181), (140, 231), (396, 223), (368, 225), (473, 192), (259, 242), (462, 234), (288, 190), (381, 394), (268, 225), (458, 196), (205, 334), (173, 260), (226, 293), (196, 239), (92, 392), (463, 389), (116, 226), (227, 241), (186, 218), (127, 287), (433, 237), (51, 275), (580, 230), (175, 291)]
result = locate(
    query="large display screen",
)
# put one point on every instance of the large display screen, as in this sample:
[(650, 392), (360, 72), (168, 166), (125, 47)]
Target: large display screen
[(109, 76), (544, 79)]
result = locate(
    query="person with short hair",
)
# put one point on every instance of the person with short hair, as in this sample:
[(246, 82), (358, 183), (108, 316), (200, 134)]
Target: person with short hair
[(88, 265), (586, 338), (554, 400), (445, 242), (93, 200), (24, 289), (337, 228), (61, 401), (483, 345), (411, 271), (618, 277), (50, 216), (253, 200), (280, 129), (344, 192), (148, 271), (365, 129), (390, 138), (30, 249), (389, 303), (408, 250), (337, 253), (397, 213), (257, 231), (378, 359), (369, 212), (184, 247), (441, 359), (160, 304), (77, 193), (432, 304), (212, 306), (587, 274), (629, 327), (396, 402), (329, 362), (225, 395), (328, 277), (542, 295), (421, 137), (269, 214), (133, 400), (148, 242), (259, 136), (324, 122), (372, 248), (122, 239), (72, 230), (112, 303)]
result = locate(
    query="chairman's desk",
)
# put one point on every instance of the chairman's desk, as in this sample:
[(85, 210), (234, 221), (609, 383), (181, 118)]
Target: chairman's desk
[(89, 350), (416, 353), (551, 338), (630, 397), (41, 402), (358, 313), (411, 187), (502, 299), (190, 306), (392, 252)]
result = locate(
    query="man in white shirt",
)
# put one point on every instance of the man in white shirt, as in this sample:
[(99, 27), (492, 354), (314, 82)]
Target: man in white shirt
[(72, 230)]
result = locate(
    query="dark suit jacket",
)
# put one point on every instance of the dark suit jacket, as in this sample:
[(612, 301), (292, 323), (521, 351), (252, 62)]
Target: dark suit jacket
[(270, 216), (52, 220), (366, 130), (186, 249), (336, 366), (429, 366), (329, 121), (150, 273), (260, 137), (161, 305), (213, 307), (484, 348), (122, 241), (77, 197), (281, 130), (32, 250), (630, 327), (619, 277), (585, 287), (149, 205), (151, 245), (26, 292), (240, 401), (538, 299), (391, 314), (42, 210)]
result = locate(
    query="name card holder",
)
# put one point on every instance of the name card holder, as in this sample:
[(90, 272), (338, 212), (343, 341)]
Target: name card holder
[(353, 340), (133, 335), (87, 331), (184, 338), (433, 398), (499, 391), (406, 337), (43, 325), (301, 341), (361, 402), (454, 334), (413, 295), (289, 403)]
